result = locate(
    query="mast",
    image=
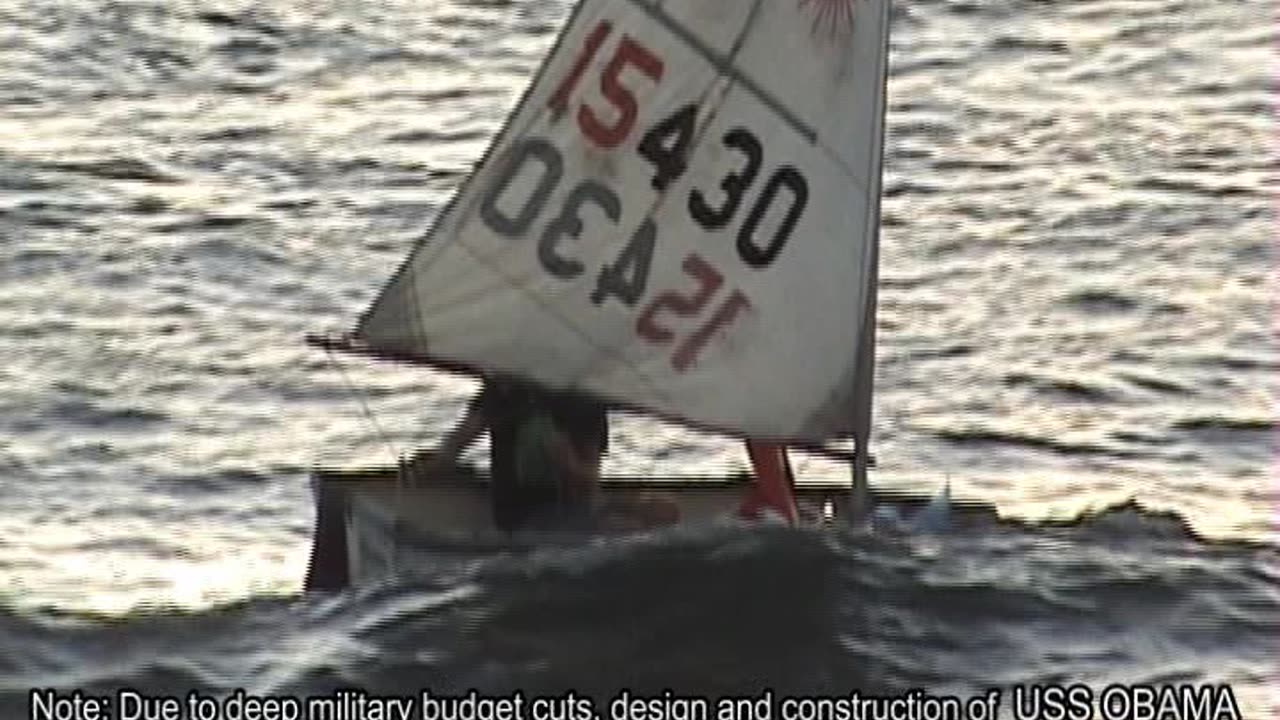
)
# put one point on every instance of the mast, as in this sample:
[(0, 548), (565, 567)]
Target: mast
[(864, 381)]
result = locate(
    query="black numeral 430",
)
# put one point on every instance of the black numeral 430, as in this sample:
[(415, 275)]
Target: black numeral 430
[(669, 143)]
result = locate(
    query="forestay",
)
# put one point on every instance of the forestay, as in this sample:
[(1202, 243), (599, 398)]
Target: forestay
[(681, 215)]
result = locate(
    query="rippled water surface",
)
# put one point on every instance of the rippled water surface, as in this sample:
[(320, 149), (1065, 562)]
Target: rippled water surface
[(1077, 254)]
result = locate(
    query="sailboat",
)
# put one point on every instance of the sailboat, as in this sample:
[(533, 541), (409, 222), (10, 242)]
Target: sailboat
[(679, 218)]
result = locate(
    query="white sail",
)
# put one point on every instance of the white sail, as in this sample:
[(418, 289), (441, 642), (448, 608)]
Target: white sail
[(680, 216)]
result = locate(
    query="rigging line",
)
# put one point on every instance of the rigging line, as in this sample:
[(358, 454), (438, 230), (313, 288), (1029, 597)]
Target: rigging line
[(377, 427)]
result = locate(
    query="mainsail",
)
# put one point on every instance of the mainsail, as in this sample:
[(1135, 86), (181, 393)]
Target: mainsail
[(681, 216)]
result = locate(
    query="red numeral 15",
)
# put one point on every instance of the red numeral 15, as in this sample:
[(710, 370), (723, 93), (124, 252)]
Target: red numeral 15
[(689, 305), (627, 53)]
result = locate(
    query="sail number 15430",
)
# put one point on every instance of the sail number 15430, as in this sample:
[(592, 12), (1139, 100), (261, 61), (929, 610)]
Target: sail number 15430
[(667, 146)]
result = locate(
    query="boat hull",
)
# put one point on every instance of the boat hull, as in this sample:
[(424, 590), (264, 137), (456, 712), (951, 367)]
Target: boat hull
[(383, 521)]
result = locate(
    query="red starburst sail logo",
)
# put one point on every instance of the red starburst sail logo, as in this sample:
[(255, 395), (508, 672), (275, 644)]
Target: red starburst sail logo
[(831, 18)]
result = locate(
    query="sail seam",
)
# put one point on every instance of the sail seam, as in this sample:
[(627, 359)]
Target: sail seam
[(725, 65), (713, 111), (552, 312)]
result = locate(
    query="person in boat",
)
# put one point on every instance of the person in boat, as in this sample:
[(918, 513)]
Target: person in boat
[(545, 450)]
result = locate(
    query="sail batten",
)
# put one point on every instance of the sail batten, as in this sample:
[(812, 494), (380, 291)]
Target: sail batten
[(680, 216)]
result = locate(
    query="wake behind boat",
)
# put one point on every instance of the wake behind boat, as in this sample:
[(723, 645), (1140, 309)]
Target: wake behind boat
[(680, 218)]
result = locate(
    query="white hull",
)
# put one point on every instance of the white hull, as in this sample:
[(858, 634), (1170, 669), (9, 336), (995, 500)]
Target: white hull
[(380, 521)]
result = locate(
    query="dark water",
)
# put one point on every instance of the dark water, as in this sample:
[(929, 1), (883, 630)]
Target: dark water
[(1120, 597), (1076, 311)]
